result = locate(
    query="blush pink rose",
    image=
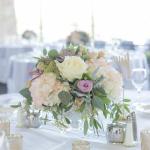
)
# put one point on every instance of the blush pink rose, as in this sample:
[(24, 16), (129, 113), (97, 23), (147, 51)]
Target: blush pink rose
[(85, 86)]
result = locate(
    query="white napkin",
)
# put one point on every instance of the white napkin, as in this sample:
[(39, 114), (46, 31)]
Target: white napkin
[(3, 141)]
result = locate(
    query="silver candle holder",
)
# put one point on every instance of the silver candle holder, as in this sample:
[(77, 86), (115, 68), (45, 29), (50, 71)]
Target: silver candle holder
[(28, 119), (115, 132)]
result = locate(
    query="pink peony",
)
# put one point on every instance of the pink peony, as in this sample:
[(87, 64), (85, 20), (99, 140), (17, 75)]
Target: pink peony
[(85, 86)]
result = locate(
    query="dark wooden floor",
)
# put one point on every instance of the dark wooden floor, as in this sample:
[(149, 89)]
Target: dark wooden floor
[(3, 88)]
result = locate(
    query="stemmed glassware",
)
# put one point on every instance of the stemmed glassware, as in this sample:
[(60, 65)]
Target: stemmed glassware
[(139, 73), (138, 78)]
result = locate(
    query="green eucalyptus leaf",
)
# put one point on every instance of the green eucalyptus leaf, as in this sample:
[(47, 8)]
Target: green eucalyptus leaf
[(102, 91), (45, 119), (99, 91), (127, 100), (85, 57), (68, 108), (87, 99), (105, 113), (44, 52), (79, 94), (111, 115), (86, 126), (96, 124), (116, 116), (119, 110), (37, 58), (98, 80), (67, 120), (65, 97), (54, 114), (86, 76), (114, 109), (106, 100), (77, 50), (62, 124), (98, 103), (16, 106), (52, 54), (82, 107), (126, 108), (26, 93), (91, 121)]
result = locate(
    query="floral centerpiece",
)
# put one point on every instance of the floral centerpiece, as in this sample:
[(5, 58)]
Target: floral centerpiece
[(77, 80)]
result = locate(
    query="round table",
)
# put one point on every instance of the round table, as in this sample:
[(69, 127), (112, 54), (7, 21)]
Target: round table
[(19, 69), (6, 51), (51, 138)]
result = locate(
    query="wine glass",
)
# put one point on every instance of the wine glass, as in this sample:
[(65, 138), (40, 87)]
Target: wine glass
[(139, 72), (115, 44), (138, 78)]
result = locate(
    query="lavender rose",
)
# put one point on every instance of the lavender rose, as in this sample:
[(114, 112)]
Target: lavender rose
[(85, 86)]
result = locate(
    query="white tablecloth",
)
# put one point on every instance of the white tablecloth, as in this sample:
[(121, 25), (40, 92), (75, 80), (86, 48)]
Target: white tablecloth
[(52, 139), (19, 71), (6, 52)]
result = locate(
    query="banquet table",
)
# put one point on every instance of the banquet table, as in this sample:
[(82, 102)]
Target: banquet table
[(6, 51), (19, 71), (51, 138)]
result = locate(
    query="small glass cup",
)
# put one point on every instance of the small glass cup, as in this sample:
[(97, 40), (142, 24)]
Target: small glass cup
[(81, 145), (145, 136), (15, 142), (115, 133), (5, 126)]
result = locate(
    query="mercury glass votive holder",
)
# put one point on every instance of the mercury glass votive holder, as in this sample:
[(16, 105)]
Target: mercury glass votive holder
[(15, 142), (5, 126), (81, 145), (115, 133)]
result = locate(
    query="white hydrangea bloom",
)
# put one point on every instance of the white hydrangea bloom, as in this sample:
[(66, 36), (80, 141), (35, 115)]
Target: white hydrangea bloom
[(112, 82), (45, 89)]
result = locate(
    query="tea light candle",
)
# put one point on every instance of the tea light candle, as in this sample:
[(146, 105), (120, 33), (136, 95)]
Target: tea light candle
[(5, 126), (145, 136), (80, 145), (15, 142)]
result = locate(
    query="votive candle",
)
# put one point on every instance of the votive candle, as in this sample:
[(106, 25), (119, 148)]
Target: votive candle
[(145, 136), (15, 142), (5, 126), (81, 145)]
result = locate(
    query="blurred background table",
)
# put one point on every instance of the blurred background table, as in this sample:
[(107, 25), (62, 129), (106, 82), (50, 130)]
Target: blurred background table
[(19, 72), (6, 51)]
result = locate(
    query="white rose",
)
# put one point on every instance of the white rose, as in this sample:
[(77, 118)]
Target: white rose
[(112, 82), (72, 67)]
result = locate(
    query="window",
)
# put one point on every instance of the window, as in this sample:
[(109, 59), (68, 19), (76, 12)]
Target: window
[(126, 19)]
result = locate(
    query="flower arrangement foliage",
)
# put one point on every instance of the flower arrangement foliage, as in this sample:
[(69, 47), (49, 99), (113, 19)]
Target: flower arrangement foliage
[(75, 79)]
